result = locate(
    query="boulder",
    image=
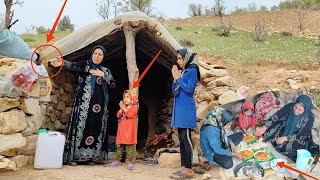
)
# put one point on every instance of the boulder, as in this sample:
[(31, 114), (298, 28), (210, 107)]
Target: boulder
[(225, 81), (227, 97), (213, 104), (202, 109), (8, 103), (30, 128), (20, 160), (293, 84), (7, 165), (218, 91), (61, 105), (217, 72), (12, 122), (209, 79), (30, 148), (169, 160), (11, 144), (37, 121), (30, 106)]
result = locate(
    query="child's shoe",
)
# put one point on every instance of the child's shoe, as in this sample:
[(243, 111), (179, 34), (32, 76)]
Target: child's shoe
[(130, 166), (115, 164)]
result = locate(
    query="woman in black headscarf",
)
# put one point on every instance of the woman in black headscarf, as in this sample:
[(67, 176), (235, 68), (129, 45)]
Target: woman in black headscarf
[(289, 129), (87, 130)]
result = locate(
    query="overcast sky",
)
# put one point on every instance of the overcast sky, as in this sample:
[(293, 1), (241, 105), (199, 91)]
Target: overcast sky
[(83, 12)]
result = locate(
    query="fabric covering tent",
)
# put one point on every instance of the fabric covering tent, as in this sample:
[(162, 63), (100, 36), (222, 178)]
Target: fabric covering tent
[(131, 41)]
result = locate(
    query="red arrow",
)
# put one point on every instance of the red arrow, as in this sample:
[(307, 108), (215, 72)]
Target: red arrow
[(136, 83), (50, 35), (282, 165)]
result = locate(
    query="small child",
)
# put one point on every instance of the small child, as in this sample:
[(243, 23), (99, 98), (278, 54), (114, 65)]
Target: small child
[(246, 119), (127, 128)]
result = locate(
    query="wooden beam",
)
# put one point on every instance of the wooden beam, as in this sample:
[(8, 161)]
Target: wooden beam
[(133, 71)]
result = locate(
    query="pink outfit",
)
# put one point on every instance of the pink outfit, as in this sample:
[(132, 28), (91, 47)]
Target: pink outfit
[(246, 121)]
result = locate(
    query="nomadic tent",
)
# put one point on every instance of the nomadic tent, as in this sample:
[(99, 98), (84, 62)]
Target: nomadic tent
[(131, 41)]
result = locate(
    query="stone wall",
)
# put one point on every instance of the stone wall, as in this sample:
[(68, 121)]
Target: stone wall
[(21, 117)]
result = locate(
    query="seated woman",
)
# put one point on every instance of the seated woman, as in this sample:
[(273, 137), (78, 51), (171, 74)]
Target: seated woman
[(289, 129), (216, 146)]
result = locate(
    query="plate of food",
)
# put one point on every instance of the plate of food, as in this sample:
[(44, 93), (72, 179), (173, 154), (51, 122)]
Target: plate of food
[(262, 156), (248, 138), (274, 165), (246, 153)]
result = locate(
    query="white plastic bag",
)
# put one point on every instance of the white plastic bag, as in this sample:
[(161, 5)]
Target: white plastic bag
[(23, 77)]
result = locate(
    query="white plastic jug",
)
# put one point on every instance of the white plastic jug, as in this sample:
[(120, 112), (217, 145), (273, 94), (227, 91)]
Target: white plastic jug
[(49, 150), (304, 159)]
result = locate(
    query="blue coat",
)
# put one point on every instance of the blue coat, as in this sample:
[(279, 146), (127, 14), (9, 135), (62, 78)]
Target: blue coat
[(184, 108), (210, 143)]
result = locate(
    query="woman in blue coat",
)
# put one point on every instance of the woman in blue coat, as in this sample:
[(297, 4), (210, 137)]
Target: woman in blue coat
[(184, 109)]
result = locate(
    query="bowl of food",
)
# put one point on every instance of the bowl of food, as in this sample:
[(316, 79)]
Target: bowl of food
[(262, 156), (274, 165), (248, 138), (246, 153)]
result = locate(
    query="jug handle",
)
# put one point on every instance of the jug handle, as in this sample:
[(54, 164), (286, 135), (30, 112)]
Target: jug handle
[(53, 133)]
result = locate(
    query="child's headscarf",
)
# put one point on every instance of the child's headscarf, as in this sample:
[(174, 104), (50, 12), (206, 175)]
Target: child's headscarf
[(133, 97), (134, 101), (242, 116), (247, 105), (219, 117)]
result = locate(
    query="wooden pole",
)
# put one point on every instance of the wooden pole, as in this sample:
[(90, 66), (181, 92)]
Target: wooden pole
[(130, 30)]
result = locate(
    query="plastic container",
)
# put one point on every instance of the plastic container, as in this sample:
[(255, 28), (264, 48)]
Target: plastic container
[(49, 150)]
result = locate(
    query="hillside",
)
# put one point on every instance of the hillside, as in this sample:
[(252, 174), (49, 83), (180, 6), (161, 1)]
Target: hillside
[(276, 21)]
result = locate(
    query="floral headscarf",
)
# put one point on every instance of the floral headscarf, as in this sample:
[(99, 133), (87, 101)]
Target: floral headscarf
[(133, 96), (219, 117)]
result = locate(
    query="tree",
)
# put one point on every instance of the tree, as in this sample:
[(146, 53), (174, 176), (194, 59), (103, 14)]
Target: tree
[(104, 8), (263, 8), (138, 5), (219, 8), (252, 7), (9, 13), (274, 8), (240, 10), (208, 11), (195, 9), (42, 30), (31, 29), (117, 8), (65, 23), (313, 5), (108, 7), (260, 33)]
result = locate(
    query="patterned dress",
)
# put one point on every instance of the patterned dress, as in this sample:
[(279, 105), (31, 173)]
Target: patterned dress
[(300, 133), (87, 130)]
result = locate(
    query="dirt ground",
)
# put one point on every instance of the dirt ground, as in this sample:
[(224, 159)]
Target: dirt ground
[(276, 21), (97, 172), (258, 76), (264, 76)]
